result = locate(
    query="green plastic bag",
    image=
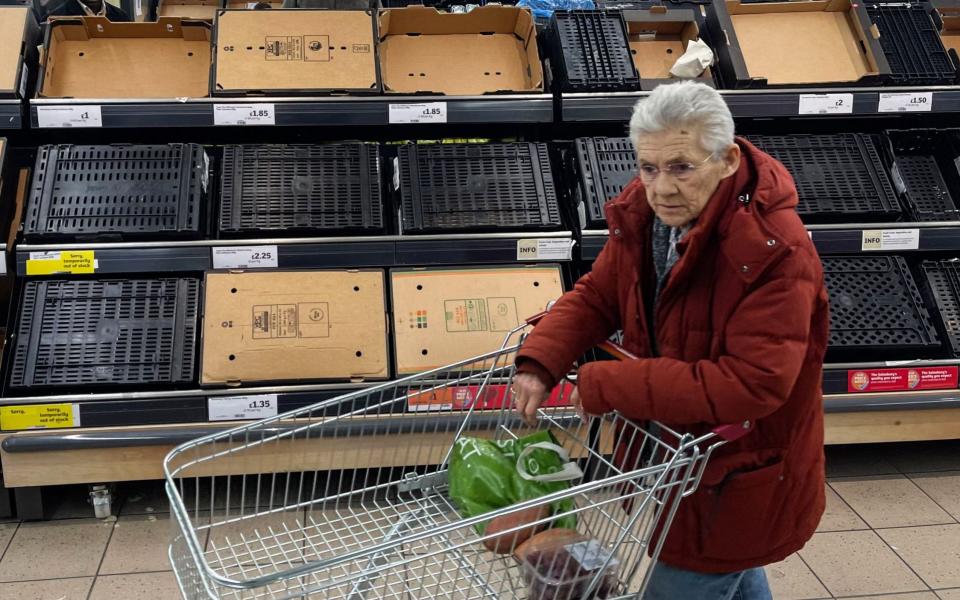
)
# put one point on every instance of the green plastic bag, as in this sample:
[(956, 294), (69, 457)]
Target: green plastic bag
[(486, 475)]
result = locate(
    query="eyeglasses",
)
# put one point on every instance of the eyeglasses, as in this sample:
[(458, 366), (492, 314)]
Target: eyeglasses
[(681, 171)]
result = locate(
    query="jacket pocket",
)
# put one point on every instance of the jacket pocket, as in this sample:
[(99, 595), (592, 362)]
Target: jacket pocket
[(736, 515)]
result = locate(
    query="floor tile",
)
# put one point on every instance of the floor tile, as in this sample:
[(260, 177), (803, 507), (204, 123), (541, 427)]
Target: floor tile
[(953, 594), (917, 457), (932, 552), (67, 548), (67, 502), (793, 580), (910, 596), (51, 589), (838, 516), (139, 544), (857, 460), (858, 562), (890, 501), (142, 586), (943, 487), (6, 534)]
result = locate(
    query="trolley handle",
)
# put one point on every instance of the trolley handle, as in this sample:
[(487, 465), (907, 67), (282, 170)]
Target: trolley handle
[(727, 433)]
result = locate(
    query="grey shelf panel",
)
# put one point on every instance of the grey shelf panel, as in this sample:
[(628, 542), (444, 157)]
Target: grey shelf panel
[(299, 112)]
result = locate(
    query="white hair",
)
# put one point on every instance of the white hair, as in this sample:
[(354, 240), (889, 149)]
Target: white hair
[(682, 105)]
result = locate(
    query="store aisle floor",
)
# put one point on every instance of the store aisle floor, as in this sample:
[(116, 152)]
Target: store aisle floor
[(891, 531)]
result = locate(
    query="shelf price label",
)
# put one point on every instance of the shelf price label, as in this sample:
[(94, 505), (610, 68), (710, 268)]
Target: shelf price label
[(245, 257), (427, 112), (889, 239), (244, 114), (237, 408), (77, 262), (39, 416), (826, 104), (905, 102), (69, 116), (545, 249)]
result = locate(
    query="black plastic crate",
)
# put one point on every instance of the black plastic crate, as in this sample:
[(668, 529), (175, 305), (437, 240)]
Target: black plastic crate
[(293, 189), (911, 42), (476, 187), (840, 178), (602, 167), (590, 51), (924, 170), (85, 333), (943, 281), (876, 308), (120, 191)]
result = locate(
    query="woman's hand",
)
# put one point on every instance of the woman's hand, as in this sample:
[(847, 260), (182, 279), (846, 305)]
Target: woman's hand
[(528, 394)]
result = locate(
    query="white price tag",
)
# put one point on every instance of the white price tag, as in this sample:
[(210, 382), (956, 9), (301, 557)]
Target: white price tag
[(826, 104), (69, 116), (428, 112), (245, 257), (236, 408), (549, 249), (905, 102), (890, 239), (244, 114)]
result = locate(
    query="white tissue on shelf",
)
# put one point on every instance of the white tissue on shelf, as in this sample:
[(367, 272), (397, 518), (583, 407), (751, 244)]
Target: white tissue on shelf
[(694, 61)]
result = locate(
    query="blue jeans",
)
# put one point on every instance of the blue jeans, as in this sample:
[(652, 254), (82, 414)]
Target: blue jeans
[(669, 583)]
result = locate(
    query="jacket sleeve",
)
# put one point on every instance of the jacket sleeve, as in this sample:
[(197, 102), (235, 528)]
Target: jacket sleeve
[(579, 320), (765, 344)]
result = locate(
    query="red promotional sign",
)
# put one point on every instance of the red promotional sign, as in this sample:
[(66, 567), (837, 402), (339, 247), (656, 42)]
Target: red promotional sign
[(902, 380), (459, 397)]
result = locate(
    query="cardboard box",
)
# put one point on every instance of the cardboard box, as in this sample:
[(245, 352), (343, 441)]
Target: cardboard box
[(949, 11), (91, 57), (18, 51), (488, 50), (295, 52), (804, 42), (657, 38), (441, 316), (205, 10), (294, 325)]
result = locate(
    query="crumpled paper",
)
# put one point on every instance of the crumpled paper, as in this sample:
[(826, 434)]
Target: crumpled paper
[(694, 61)]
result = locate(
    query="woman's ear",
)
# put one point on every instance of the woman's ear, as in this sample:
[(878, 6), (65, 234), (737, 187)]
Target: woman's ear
[(731, 160)]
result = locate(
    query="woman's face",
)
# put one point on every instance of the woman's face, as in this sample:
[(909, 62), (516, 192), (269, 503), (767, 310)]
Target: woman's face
[(678, 177)]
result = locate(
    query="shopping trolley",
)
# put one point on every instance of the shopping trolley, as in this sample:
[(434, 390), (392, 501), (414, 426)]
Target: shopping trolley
[(348, 498)]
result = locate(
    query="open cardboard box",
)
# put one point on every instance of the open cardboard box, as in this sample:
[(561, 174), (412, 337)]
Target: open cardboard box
[(18, 50), (294, 325), (91, 57), (295, 51), (804, 42), (441, 316), (489, 50), (657, 38), (205, 10), (950, 28)]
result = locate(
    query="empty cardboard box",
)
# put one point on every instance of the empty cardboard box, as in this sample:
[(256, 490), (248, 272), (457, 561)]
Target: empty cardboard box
[(797, 43), (441, 316), (91, 57), (205, 10), (295, 52), (18, 50), (657, 38), (950, 28), (488, 50), (294, 325)]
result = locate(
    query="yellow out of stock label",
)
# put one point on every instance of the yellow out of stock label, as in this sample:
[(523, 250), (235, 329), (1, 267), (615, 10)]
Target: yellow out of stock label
[(39, 416), (67, 261)]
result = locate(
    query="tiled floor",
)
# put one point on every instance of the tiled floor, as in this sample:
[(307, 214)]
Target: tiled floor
[(891, 531)]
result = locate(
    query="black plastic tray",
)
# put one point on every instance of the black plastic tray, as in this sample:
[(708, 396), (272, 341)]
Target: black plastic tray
[(300, 188), (476, 187), (911, 42), (876, 309), (591, 52), (82, 333), (924, 169), (943, 281), (840, 178), (602, 167), (117, 191)]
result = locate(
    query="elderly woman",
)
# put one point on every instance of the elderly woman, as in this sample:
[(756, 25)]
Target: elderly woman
[(718, 289)]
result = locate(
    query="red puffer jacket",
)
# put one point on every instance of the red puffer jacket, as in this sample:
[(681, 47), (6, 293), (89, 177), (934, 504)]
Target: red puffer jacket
[(741, 330)]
